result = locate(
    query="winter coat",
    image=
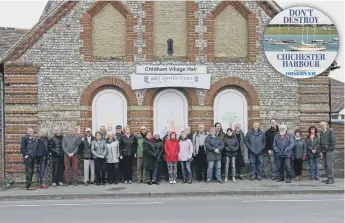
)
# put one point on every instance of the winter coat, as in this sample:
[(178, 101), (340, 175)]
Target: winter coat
[(211, 144), (85, 148), (113, 151), (327, 140), (70, 144), (313, 145), (42, 147), (99, 149), (241, 142), (269, 135), (28, 146), (149, 155), (128, 145), (186, 150), (231, 145), (299, 149), (282, 145), (140, 139), (255, 141), (55, 145), (158, 149), (196, 142), (171, 149)]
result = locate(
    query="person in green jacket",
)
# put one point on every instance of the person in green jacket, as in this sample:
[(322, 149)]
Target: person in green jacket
[(140, 168), (314, 151)]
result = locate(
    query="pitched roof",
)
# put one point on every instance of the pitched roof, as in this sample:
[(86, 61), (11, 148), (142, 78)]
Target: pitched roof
[(8, 37), (337, 95), (53, 13)]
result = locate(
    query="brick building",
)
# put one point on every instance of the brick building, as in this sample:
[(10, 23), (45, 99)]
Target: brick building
[(74, 68)]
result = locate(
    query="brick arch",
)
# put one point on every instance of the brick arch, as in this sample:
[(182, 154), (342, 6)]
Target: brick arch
[(232, 81), (102, 83), (190, 93)]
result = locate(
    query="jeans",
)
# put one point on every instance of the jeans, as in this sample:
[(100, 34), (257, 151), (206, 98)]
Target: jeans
[(281, 163), (269, 165), (231, 160), (29, 170), (113, 172), (100, 169), (58, 168), (314, 166), (255, 165), (140, 170), (41, 165), (186, 170), (67, 161), (127, 167), (217, 164), (329, 165), (172, 170), (89, 166), (201, 164)]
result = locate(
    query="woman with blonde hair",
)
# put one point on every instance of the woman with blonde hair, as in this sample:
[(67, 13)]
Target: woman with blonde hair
[(113, 158), (42, 153)]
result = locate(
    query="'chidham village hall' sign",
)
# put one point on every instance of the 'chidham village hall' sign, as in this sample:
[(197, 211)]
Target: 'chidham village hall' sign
[(150, 76)]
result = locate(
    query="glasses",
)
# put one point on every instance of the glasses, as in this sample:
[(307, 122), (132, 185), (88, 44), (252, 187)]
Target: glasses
[(142, 129), (88, 131)]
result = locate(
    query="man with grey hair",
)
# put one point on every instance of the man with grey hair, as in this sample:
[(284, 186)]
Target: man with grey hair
[(199, 153), (255, 142), (282, 145), (240, 156), (328, 142), (55, 148)]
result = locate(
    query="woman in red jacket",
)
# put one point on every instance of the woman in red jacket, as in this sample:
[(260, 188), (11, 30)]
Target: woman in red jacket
[(171, 150)]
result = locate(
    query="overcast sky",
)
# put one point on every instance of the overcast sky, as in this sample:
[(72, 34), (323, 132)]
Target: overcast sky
[(25, 13)]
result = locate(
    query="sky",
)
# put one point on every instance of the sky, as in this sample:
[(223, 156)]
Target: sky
[(25, 14)]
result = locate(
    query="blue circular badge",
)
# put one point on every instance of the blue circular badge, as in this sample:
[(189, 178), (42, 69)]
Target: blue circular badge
[(301, 42)]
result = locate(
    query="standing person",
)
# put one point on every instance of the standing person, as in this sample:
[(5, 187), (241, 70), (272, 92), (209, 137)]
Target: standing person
[(299, 154), (99, 152), (70, 144), (171, 149), (55, 148), (150, 159), (214, 146), (164, 163), (185, 156), (199, 153), (41, 156), (128, 145), (269, 155), (118, 135), (158, 143), (188, 131), (282, 146), (240, 155), (113, 158), (28, 148), (314, 150), (219, 130), (230, 151), (86, 155), (119, 131), (328, 142), (103, 132), (139, 154), (255, 142)]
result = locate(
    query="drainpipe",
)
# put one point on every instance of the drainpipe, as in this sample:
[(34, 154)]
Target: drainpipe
[(2, 89), (330, 102)]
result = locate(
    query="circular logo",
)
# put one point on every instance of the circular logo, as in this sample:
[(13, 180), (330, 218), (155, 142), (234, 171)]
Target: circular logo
[(301, 42)]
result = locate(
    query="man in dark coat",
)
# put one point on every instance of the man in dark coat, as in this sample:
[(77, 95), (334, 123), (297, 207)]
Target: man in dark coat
[(158, 143), (55, 148), (255, 142), (28, 148), (328, 142), (269, 157), (240, 155)]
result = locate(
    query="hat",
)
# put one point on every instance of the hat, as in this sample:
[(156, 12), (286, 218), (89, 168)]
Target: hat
[(119, 127), (87, 130)]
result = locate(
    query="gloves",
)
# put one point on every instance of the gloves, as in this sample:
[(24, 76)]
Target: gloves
[(304, 158), (292, 157)]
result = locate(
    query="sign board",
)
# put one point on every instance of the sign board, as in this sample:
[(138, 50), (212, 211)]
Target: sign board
[(170, 69)]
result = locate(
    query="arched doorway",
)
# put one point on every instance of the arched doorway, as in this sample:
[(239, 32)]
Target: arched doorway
[(109, 108), (231, 107), (170, 111)]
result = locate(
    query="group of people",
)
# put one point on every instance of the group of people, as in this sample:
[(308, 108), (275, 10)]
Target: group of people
[(108, 156)]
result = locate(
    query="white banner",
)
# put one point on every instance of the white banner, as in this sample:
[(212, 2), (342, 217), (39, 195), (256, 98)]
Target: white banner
[(170, 69), (202, 81)]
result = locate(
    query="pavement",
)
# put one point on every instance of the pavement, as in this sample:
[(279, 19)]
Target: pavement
[(254, 209), (240, 187)]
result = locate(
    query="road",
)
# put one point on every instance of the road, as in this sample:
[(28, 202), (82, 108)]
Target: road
[(268, 209)]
